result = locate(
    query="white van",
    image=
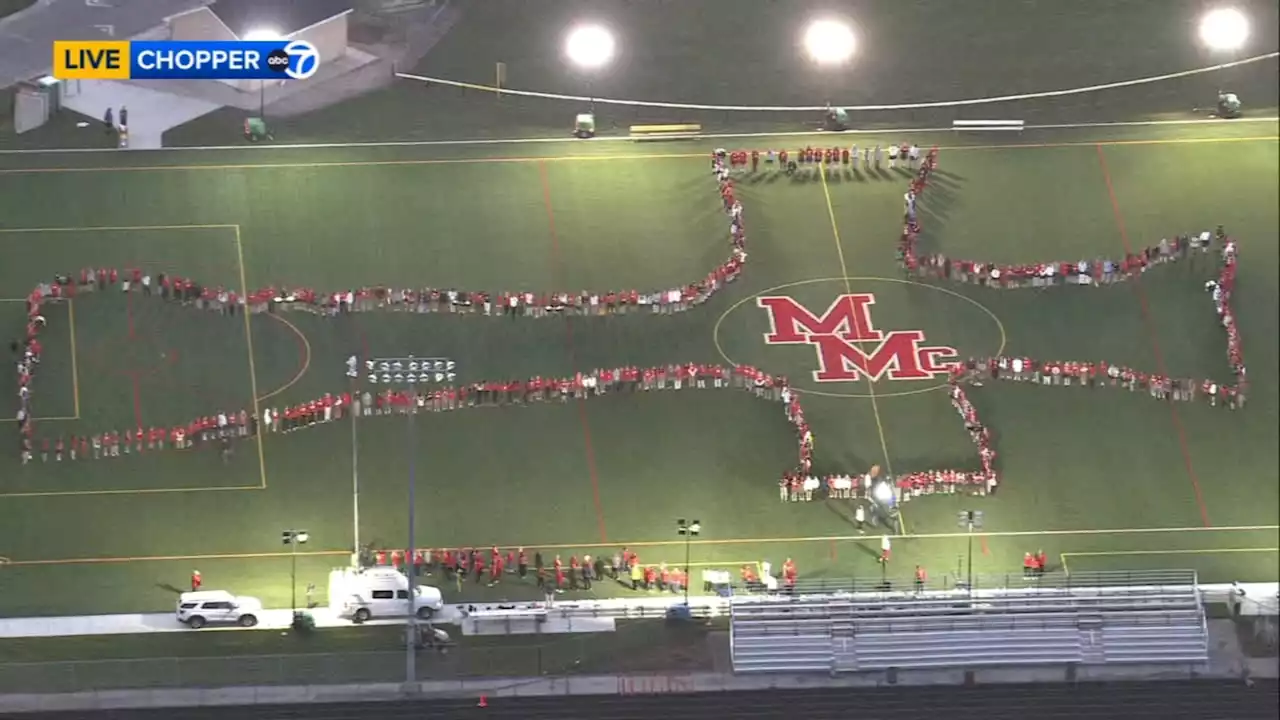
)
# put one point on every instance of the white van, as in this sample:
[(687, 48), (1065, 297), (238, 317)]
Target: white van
[(219, 607), (379, 592)]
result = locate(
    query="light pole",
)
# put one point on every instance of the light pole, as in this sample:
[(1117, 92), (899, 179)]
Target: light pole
[(356, 407), (689, 530), (590, 47), (411, 372), (262, 35), (970, 520), (294, 538)]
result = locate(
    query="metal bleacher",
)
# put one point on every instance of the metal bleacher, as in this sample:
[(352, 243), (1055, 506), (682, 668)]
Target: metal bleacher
[(1086, 619)]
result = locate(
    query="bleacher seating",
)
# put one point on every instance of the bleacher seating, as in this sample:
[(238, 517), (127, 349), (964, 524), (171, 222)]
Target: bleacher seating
[(1055, 625)]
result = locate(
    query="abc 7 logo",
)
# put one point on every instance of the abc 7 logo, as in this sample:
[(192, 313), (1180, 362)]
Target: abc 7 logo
[(298, 60)]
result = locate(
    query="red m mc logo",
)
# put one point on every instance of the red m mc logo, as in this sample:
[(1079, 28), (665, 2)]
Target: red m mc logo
[(838, 334)]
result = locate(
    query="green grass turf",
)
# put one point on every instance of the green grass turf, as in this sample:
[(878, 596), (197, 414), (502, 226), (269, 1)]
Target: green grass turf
[(523, 476)]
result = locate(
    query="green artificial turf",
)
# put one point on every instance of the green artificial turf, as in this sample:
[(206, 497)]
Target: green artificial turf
[(1092, 475)]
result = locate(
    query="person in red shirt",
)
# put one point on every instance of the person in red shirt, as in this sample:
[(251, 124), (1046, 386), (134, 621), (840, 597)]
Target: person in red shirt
[(1028, 565), (1042, 561), (650, 577), (477, 566), (196, 580), (495, 570), (397, 559)]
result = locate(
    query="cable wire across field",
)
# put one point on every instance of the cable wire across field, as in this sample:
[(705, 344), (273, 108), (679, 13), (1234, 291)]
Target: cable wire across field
[(817, 108)]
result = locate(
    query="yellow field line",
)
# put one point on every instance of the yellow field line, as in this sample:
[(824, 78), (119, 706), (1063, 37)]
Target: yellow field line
[(75, 368), (576, 158), (121, 491), (111, 228), (871, 383), (173, 558), (253, 370), (52, 418), (1191, 551), (306, 358)]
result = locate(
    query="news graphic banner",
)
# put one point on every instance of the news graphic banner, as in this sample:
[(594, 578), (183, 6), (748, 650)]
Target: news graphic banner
[(181, 60)]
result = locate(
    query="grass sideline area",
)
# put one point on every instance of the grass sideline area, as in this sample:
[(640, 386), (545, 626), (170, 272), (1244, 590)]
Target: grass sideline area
[(1102, 479)]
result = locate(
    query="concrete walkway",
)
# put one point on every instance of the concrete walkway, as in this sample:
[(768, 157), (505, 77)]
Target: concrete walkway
[(151, 112)]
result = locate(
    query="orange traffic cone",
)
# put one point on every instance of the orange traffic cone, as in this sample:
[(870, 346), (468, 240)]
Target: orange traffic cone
[(484, 702)]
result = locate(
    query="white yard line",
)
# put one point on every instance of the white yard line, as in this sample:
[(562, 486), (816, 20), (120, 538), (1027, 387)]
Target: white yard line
[(567, 139)]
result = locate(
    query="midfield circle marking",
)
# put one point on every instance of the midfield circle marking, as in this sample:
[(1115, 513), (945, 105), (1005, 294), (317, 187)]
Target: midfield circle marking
[(1004, 338)]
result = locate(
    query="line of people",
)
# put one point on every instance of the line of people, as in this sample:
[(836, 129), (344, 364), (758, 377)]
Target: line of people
[(492, 566), (189, 292), (827, 159)]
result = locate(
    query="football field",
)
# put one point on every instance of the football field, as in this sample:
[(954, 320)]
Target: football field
[(1100, 480)]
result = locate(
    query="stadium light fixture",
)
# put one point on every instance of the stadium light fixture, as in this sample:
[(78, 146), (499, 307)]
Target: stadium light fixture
[(1224, 29), (829, 42), (590, 46), (262, 35)]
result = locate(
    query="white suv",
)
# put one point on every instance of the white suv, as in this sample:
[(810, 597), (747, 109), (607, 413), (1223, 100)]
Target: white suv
[(198, 609)]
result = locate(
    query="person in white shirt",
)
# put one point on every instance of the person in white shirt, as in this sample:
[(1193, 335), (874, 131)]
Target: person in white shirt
[(860, 517), (913, 154), (893, 156), (879, 156)]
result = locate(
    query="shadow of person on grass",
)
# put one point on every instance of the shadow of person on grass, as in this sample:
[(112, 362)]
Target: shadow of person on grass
[(170, 588)]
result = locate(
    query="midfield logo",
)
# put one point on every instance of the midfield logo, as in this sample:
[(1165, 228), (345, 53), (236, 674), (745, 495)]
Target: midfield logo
[(838, 337)]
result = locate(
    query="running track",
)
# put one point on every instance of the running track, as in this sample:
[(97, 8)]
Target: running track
[(1173, 700)]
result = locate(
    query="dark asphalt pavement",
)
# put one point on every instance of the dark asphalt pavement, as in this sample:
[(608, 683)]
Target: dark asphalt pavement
[(1175, 700)]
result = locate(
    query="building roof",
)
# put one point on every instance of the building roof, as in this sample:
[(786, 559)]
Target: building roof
[(282, 16), (26, 38)]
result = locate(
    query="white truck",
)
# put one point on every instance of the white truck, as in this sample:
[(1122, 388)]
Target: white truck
[(379, 593)]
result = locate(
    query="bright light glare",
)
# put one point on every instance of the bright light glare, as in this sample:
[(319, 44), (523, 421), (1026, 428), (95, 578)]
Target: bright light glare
[(262, 35), (589, 46), (1224, 29), (882, 493), (829, 42)]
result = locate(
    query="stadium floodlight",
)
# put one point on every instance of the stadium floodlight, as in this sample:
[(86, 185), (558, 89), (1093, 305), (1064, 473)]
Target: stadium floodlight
[(590, 46), (882, 492), (262, 35), (1224, 29), (829, 42)]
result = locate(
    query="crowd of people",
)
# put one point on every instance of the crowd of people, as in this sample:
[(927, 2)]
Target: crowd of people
[(798, 483), (827, 159), (1208, 247), (553, 575), (227, 425)]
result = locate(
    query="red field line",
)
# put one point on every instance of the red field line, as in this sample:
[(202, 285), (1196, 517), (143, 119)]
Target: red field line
[(557, 270), (1155, 340)]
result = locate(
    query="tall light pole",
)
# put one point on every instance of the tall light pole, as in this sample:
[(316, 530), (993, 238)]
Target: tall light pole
[(356, 407), (412, 373), (294, 538), (262, 35), (689, 530), (590, 48), (970, 520)]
